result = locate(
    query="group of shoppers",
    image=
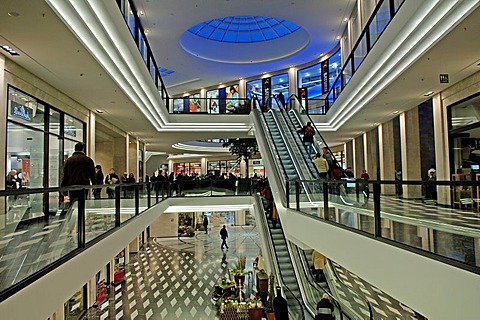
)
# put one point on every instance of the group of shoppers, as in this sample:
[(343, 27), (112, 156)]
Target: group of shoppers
[(79, 170)]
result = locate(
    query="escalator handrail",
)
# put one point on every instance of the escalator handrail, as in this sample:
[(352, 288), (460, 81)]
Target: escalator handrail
[(315, 127), (315, 285), (285, 176), (289, 120), (273, 253), (291, 153)]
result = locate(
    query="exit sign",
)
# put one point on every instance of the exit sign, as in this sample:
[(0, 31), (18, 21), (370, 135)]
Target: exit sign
[(443, 77)]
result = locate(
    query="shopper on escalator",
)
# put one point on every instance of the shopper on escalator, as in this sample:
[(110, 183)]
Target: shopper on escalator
[(308, 133), (325, 309)]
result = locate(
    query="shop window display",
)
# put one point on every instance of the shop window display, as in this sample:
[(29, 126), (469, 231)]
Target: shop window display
[(27, 137), (186, 223)]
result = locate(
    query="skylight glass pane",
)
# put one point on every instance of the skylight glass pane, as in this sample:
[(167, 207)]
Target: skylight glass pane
[(269, 34), (290, 26), (244, 29), (243, 37), (206, 32), (196, 28), (217, 35), (281, 31), (230, 37), (257, 36)]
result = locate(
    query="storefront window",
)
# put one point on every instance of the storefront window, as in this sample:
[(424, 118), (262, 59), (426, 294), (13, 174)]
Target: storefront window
[(26, 150), (54, 126), (311, 78), (25, 154), (73, 128), (464, 126), (279, 84), (25, 109), (334, 67)]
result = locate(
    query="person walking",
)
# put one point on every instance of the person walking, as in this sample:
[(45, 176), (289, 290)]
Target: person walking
[(205, 224), (280, 306), (325, 309), (78, 169), (224, 236), (98, 180)]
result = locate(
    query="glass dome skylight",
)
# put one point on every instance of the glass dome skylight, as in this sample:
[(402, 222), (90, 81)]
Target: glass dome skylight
[(244, 29)]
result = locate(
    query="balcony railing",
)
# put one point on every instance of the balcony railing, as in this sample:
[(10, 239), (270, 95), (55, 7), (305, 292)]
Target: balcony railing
[(378, 22), (360, 206), (44, 228)]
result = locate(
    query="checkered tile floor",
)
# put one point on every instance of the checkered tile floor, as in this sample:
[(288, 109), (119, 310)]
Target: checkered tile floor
[(419, 210), (173, 279), (383, 306)]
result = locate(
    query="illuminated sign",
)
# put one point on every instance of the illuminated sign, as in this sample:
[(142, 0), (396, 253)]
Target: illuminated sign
[(20, 111)]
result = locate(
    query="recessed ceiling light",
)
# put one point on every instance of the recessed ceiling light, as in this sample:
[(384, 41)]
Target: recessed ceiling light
[(141, 12), (9, 50), (396, 112), (429, 93), (13, 14), (345, 20), (338, 38), (99, 111), (147, 31), (220, 83)]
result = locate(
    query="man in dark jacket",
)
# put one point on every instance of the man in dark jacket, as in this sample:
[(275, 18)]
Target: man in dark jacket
[(78, 170), (325, 309), (224, 236), (98, 180), (308, 133)]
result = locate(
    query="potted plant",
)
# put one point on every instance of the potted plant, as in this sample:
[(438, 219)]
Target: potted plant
[(239, 271), (271, 296), (262, 284), (254, 308)]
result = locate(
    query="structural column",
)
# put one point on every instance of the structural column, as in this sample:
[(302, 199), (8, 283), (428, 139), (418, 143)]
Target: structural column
[(440, 130), (359, 152), (3, 133), (387, 156), (410, 149), (371, 153)]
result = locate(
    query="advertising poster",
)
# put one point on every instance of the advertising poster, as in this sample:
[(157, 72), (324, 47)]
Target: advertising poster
[(101, 288), (212, 100), (178, 105), (119, 268)]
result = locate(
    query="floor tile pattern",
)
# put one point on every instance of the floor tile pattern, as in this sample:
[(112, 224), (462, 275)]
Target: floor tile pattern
[(174, 278), (383, 306)]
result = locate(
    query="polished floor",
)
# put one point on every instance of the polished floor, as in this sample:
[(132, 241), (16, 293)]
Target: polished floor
[(174, 278)]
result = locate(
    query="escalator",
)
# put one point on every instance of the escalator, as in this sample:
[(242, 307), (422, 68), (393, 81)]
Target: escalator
[(282, 145), (286, 268)]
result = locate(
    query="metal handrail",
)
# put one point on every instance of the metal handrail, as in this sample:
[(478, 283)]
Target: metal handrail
[(274, 254)]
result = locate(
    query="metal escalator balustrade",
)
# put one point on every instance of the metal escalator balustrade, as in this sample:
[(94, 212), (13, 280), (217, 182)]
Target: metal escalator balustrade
[(283, 276)]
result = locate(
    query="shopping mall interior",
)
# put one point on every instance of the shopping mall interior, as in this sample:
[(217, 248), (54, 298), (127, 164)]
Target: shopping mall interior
[(200, 109)]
